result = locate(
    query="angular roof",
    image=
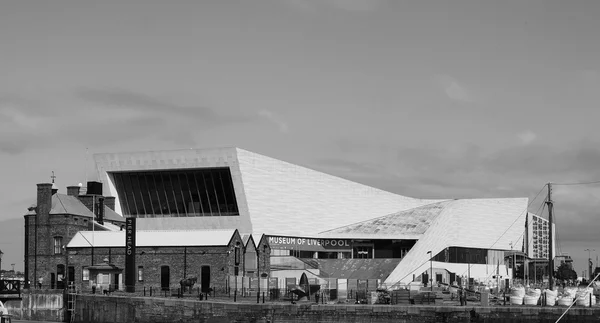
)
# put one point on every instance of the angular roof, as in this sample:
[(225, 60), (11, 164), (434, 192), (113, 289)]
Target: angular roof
[(409, 224), (153, 238), (287, 199), (471, 223), (274, 197)]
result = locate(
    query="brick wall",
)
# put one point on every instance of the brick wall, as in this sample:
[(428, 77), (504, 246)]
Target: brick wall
[(48, 227), (182, 262)]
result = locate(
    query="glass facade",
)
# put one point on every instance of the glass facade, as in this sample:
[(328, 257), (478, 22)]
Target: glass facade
[(462, 255), (188, 192)]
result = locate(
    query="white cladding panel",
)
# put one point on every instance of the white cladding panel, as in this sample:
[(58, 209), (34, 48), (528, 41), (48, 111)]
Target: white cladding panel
[(287, 199), (474, 223)]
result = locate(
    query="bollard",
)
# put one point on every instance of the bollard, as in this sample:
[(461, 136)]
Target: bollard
[(263, 297), (150, 291), (591, 294), (235, 295), (504, 296), (257, 297)]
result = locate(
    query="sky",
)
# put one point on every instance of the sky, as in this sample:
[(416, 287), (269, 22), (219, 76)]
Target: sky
[(428, 99)]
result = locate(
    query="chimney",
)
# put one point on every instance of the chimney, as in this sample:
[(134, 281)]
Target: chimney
[(94, 188), (100, 211), (109, 201), (73, 191), (54, 189), (44, 199)]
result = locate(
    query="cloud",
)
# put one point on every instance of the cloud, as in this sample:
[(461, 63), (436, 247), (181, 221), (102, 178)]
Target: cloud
[(527, 137), (454, 89), (472, 171), (281, 124), (107, 115), (121, 99)]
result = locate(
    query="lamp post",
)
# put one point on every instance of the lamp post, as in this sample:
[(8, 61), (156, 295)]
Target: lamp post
[(430, 268), (468, 269), (1, 253), (590, 261)]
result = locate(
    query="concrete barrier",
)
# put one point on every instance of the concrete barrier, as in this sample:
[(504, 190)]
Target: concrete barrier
[(37, 305)]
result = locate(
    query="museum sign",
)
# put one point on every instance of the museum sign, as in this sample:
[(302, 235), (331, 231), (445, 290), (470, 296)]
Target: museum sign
[(311, 244)]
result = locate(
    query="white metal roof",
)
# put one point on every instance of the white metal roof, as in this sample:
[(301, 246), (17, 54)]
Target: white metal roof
[(274, 197), (153, 238), (471, 223)]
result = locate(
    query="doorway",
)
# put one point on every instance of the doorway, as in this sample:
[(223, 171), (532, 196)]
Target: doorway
[(165, 277), (205, 279), (60, 276)]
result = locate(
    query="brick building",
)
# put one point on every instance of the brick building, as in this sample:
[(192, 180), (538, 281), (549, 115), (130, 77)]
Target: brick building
[(51, 223), (292, 221), (67, 235), (163, 258)]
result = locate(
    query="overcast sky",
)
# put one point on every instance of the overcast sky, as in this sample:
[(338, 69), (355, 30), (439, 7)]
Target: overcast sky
[(429, 99)]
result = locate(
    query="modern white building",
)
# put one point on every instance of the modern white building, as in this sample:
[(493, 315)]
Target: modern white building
[(315, 223)]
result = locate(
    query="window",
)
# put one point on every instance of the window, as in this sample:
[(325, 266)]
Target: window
[(186, 192), (140, 273), (58, 245), (85, 274)]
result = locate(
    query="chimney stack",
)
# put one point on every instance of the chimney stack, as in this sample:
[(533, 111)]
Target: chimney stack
[(73, 191), (44, 199), (109, 201)]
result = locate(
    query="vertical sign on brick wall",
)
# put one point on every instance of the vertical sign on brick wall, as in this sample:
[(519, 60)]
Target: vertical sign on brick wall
[(130, 255)]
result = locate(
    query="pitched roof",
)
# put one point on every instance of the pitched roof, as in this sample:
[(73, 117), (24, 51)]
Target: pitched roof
[(409, 224), (111, 215), (153, 238), (66, 204)]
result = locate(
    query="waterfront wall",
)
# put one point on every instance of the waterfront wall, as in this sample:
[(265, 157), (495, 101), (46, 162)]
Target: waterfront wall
[(38, 305), (114, 309)]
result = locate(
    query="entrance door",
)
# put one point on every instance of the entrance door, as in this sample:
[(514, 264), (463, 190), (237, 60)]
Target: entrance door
[(205, 279), (60, 275), (116, 282), (165, 277)]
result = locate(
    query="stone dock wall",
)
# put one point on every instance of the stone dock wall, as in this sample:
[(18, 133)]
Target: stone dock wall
[(115, 309), (38, 305)]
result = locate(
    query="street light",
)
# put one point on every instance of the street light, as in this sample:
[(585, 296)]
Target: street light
[(1, 253), (430, 268)]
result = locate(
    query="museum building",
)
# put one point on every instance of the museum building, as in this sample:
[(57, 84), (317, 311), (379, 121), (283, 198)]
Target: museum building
[(289, 220)]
